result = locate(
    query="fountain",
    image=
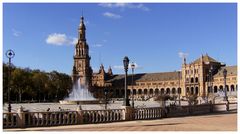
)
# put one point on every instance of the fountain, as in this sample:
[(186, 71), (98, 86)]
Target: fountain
[(79, 95)]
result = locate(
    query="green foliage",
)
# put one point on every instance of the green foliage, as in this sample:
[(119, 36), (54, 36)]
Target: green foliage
[(34, 85)]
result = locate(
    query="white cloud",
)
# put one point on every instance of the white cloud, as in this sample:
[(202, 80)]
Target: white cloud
[(16, 33), (74, 41), (112, 15), (120, 67), (104, 40), (125, 5), (142, 7), (60, 39), (182, 54), (97, 45)]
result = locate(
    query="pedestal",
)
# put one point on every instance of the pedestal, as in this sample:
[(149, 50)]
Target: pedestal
[(128, 113)]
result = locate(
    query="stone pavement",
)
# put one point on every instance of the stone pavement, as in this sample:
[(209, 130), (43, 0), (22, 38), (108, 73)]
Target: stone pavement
[(211, 122), (35, 107)]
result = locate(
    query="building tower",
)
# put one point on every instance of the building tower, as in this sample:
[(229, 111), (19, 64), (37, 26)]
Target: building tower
[(81, 67)]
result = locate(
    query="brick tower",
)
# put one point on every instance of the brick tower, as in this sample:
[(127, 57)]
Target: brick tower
[(81, 67)]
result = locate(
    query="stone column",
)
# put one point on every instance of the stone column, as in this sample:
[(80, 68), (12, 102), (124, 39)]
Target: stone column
[(128, 114), (21, 119), (80, 115)]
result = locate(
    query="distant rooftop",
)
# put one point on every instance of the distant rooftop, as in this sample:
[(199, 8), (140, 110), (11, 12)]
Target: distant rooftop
[(163, 76), (231, 70), (206, 58)]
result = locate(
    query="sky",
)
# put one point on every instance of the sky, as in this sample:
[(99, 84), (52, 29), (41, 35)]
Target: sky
[(153, 35)]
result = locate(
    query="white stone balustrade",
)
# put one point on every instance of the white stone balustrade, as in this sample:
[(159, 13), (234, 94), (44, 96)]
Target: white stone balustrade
[(10, 120), (148, 113), (50, 118), (53, 118), (98, 116)]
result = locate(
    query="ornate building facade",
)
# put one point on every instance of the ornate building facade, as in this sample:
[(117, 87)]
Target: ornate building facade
[(200, 77)]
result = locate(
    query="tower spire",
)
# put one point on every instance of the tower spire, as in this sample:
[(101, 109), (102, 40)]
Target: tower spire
[(82, 30)]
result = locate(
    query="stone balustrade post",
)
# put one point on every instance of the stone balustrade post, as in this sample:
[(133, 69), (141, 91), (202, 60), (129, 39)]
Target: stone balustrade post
[(211, 106), (80, 115), (128, 113), (21, 117), (227, 106)]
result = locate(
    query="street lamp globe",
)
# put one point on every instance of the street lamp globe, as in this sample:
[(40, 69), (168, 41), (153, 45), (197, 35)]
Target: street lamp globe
[(125, 63), (224, 72), (132, 65)]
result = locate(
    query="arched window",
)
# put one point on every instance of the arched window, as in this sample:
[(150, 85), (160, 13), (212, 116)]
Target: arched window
[(196, 90), (179, 91), (173, 91), (168, 90), (140, 91), (196, 79), (192, 80), (156, 91), (192, 90), (145, 91), (134, 91), (162, 90), (232, 87), (151, 91), (221, 88)]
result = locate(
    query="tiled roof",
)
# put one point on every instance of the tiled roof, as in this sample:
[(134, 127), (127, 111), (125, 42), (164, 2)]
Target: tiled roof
[(231, 70), (164, 76), (206, 58)]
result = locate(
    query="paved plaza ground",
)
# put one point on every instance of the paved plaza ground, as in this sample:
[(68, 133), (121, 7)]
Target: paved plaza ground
[(210, 122), (33, 107)]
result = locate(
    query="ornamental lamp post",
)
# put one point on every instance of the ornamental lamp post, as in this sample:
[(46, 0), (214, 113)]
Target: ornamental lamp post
[(210, 79), (125, 63), (133, 67), (179, 100), (10, 54), (225, 89), (106, 99)]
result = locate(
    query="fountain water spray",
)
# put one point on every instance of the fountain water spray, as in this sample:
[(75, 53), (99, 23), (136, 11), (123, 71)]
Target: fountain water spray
[(79, 93)]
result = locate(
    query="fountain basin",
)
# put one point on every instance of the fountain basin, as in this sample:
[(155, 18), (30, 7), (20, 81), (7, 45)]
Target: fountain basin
[(79, 102)]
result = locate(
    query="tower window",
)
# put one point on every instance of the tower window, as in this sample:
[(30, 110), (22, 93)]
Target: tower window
[(192, 80), (196, 79)]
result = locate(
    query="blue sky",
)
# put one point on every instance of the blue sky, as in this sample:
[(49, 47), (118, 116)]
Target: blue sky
[(151, 35)]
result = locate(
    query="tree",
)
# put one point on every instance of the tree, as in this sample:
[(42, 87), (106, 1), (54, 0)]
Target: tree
[(35, 84)]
